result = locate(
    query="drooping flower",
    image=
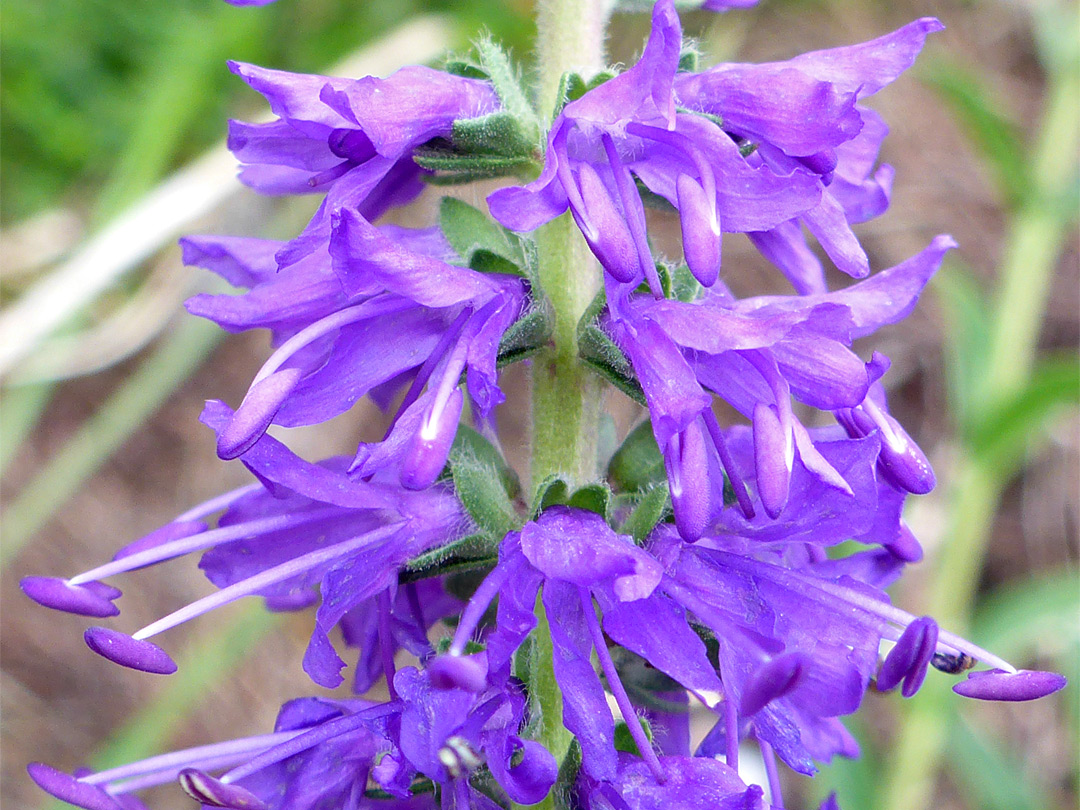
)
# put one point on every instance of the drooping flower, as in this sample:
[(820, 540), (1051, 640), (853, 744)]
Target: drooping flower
[(350, 138), (378, 308), (803, 114), (305, 526), (757, 354), (631, 126)]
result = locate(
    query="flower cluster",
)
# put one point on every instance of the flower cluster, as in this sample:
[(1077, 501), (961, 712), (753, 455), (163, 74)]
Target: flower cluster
[(705, 568)]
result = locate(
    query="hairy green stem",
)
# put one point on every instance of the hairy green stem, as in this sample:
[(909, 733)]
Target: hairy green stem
[(565, 397), (1037, 234)]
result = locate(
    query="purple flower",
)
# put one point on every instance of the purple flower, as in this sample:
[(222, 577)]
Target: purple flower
[(631, 126), (802, 114), (350, 138), (378, 308), (694, 783), (757, 354), (305, 526)]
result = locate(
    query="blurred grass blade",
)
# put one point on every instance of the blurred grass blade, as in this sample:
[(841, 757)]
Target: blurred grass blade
[(967, 334), (172, 362), (997, 139), (22, 406), (1002, 437), (990, 780), (206, 661), (1037, 616), (855, 781)]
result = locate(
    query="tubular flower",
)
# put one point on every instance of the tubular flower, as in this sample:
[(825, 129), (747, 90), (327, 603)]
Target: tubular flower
[(380, 307), (757, 354), (304, 526)]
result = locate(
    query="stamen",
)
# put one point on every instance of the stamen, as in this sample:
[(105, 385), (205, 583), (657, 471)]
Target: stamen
[(821, 590), (213, 537), (728, 463), (264, 579), (331, 174), (169, 765), (644, 745), (309, 739), (772, 772), (477, 607), (386, 642)]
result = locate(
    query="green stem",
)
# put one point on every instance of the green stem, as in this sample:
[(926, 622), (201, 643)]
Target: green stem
[(566, 398), (1035, 242)]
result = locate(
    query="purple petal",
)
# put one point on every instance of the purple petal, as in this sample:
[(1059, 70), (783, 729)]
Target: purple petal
[(208, 790), (605, 228), (700, 231), (427, 455), (67, 788), (687, 462), (867, 67), (773, 473), (468, 672), (83, 600), (129, 652), (997, 684), (256, 412)]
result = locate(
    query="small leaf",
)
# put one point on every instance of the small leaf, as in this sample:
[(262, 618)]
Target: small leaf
[(468, 552), (684, 287), (602, 356), (1002, 437), (472, 443), (507, 83), (564, 791), (624, 740), (653, 507), (593, 498), (466, 165), (465, 69), (526, 336), (997, 138), (638, 464), (497, 133), (689, 58), (482, 493), (469, 230), (552, 490)]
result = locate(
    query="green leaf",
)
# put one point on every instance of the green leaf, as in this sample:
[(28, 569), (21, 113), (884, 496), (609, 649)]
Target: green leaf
[(472, 444), (967, 337), (593, 498), (507, 83), (998, 140), (480, 488), (653, 507), (458, 167), (1002, 437), (990, 779), (624, 741), (498, 133), (526, 336), (563, 792), (602, 356), (464, 68), (638, 463), (473, 551), (470, 231), (552, 490)]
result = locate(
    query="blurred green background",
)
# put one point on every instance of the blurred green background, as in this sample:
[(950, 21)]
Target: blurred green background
[(99, 443)]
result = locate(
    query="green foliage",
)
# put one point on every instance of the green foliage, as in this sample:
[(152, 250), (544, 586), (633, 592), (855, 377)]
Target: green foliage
[(483, 483), (526, 336), (653, 507), (602, 356), (637, 465)]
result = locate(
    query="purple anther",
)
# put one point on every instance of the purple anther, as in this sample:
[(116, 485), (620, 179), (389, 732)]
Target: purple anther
[(129, 652), (68, 788), (774, 680), (997, 684), (255, 413), (206, 789), (83, 600)]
